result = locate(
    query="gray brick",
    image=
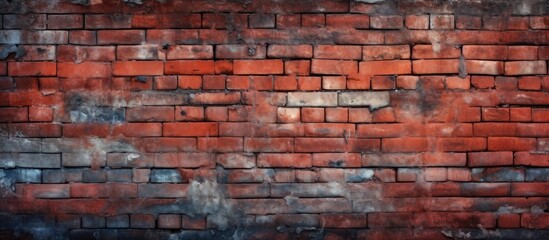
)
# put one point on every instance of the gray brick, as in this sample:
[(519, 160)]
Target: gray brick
[(74, 175), (166, 176), (312, 99), (26, 145), (92, 221), (83, 159), (119, 175), (94, 176), (537, 174), (142, 221), (374, 100), (68, 221), (31, 160), (53, 176), (26, 175), (119, 221), (500, 174)]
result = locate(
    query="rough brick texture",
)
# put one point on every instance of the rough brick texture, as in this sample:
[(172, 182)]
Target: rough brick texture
[(263, 119)]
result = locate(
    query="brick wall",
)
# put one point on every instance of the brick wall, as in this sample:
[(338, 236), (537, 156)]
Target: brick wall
[(323, 119)]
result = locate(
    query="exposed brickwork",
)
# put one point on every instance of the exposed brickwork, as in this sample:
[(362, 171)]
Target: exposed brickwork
[(313, 119)]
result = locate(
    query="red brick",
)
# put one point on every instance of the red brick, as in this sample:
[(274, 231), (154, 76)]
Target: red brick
[(309, 83), (509, 220), (141, 52), (285, 83), (312, 114), (78, 54), (383, 115), (14, 115), (337, 52), (485, 189), (333, 67), (223, 67), (405, 144), (313, 20), (108, 37), (530, 189), (37, 129), (284, 160), (458, 83), (442, 22), (417, 21), (240, 51), (210, 82), (169, 221), (138, 129), (298, 67), (84, 70), (259, 67), (82, 37), (222, 144), (107, 21), (386, 52), (478, 159), (383, 82), (336, 159), (344, 221), (328, 129), (386, 67), (217, 114), (32, 69), (288, 20), (522, 52), (216, 98), (386, 22), (435, 66), (511, 144), (468, 22), (495, 114), (540, 115), (482, 82), (190, 129), (189, 67), (534, 220), (529, 159), (290, 51), (40, 114), (494, 129), (165, 83), (189, 82), (484, 67), (265, 145), (522, 114), (138, 68), (358, 81), (357, 21), (435, 51), (359, 115), (461, 144), (539, 22), (108, 190), (506, 83), (158, 20), (459, 174), (28, 21), (525, 67), (333, 82), (407, 82), (150, 114), (336, 115), (288, 115), (485, 52), (529, 83)]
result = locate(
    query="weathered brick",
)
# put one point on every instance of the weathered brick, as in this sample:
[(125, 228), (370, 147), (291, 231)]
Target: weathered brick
[(372, 99)]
